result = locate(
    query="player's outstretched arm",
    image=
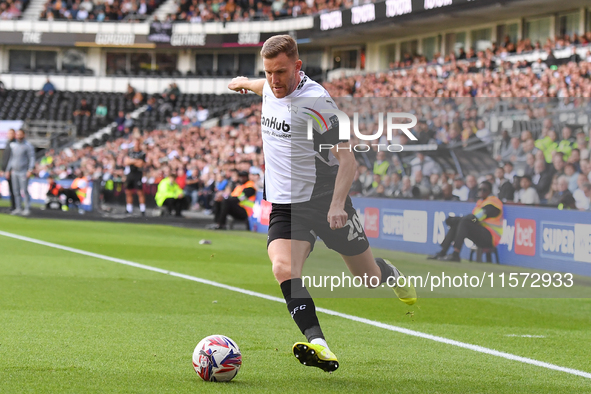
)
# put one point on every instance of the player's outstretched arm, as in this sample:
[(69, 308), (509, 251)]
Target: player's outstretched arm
[(243, 85)]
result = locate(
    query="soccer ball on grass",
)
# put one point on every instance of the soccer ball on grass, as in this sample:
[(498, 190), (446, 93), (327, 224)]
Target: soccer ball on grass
[(217, 358)]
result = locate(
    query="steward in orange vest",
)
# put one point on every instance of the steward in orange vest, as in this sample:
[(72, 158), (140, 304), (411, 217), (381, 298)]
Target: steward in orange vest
[(240, 203), (54, 189), (484, 226), (77, 191), (80, 185), (246, 194), (52, 200)]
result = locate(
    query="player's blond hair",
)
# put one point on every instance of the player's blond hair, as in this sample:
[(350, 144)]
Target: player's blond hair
[(280, 44)]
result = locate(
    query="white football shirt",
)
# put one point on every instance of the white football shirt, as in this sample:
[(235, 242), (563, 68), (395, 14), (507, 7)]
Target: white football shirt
[(294, 169)]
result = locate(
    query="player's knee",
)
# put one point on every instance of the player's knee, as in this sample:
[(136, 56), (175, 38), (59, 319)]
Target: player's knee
[(282, 269)]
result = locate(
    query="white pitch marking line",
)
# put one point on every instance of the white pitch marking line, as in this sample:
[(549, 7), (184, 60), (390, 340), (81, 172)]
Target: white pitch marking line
[(374, 323), (525, 336)]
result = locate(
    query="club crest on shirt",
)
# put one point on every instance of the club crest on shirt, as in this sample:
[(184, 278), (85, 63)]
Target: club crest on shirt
[(292, 108)]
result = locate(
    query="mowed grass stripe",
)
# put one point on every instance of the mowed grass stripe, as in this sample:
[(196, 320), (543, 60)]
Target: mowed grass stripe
[(389, 327)]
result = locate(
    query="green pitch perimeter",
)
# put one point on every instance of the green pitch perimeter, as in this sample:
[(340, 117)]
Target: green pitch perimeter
[(77, 324)]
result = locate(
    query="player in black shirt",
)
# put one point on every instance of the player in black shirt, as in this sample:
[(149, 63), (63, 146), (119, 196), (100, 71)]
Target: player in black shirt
[(135, 162)]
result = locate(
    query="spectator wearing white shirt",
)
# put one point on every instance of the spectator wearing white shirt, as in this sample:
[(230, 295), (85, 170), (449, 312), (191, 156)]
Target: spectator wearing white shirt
[(527, 194), (175, 120), (82, 15), (539, 66), (425, 164), (483, 132), (581, 197), (86, 5), (127, 7), (202, 114), (461, 191), (191, 113), (365, 177), (142, 9)]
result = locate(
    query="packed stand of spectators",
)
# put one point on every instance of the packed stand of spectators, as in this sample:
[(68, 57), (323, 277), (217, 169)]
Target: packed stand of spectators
[(549, 167), (205, 161), (554, 164), (197, 11), (543, 161), (538, 160), (507, 47), (12, 9), (99, 10), (553, 170), (470, 79), (497, 55)]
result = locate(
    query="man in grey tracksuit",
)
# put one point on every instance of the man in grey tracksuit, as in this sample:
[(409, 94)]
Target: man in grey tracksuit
[(5, 158), (19, 169)]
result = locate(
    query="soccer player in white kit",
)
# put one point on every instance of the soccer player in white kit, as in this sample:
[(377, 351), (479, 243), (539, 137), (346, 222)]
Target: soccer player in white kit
[(308, 190)]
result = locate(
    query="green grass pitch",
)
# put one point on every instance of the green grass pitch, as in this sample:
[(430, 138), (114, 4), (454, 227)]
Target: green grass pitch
[(77, 324)]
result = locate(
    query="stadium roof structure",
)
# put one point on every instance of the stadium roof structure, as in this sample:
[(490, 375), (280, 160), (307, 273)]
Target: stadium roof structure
[(444, 15)]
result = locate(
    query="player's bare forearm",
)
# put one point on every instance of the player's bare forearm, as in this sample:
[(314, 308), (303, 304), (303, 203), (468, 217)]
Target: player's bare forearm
[(257, 85), (243, 84), (345, 175)]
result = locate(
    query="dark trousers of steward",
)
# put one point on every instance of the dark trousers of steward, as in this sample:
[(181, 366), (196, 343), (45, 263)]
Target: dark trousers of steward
[(461, 228)]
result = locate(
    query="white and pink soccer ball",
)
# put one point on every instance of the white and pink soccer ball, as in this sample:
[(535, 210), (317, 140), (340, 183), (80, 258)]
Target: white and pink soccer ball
[(217, 358)]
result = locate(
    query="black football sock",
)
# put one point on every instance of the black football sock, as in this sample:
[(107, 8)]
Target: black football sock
[(301, 307), (386, 269)]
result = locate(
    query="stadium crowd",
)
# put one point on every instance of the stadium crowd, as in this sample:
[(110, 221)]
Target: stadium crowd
[(564, 184), (203, 159), (99, 10), (475, 78), (548, 170), (197, 11), (497, 53), (546, 166), (12, 9)]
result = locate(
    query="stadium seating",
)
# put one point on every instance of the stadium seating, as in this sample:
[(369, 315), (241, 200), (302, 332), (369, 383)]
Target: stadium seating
[(60, 106), (217, 105)]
